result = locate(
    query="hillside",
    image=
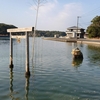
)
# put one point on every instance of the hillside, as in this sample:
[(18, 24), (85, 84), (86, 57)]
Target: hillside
[(39, 33), (4, 27)]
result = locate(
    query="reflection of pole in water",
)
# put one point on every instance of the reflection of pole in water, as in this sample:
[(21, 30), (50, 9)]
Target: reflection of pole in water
[(11, 86), (74, 44), (27, 88), (11, 82), (77, 62)]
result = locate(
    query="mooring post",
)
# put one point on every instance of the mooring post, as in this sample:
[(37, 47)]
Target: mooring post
[(11, 52), (27, 74)]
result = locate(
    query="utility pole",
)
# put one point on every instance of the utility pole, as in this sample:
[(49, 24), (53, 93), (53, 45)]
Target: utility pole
[(77, 23)]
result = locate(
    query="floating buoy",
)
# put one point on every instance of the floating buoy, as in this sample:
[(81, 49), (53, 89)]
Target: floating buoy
[(77, 53)]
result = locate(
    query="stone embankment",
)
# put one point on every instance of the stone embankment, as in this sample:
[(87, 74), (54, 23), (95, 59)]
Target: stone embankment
[(87, 41), (61, 39)]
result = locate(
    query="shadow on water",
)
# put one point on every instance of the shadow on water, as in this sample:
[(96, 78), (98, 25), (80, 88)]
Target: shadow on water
[(12, 90)]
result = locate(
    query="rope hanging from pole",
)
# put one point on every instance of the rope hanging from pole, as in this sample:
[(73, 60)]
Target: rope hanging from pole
[(18, 40)]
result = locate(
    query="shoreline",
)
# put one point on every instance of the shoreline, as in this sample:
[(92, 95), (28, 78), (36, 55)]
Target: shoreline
[(92, 42), (85, 41)]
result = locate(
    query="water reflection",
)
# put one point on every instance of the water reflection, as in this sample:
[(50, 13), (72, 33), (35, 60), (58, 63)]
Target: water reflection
[(12, 90), (4, 42), (27, 88), (74, 45), (11, 81), (11, 85), (94, 47), (77, 62), (81, 44), (94, 53)]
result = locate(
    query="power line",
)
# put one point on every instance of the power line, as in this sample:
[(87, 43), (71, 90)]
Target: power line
[(91, 12), (89, 15)]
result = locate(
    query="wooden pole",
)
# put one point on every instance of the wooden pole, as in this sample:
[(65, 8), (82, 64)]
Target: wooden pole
[(77, 22), (26, 30), (27, 74), (11, 52)]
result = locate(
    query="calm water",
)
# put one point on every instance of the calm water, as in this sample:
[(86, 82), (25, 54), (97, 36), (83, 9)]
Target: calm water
[(54, 75)]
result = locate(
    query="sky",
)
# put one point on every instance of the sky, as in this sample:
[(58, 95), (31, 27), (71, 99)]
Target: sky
[(53, 15)]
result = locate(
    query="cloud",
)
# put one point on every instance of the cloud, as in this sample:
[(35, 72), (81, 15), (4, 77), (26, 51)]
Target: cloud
[(54, 16)]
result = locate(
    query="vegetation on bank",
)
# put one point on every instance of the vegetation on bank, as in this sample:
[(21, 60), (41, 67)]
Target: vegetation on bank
[(94, 29), (4, 27), (39, 33)]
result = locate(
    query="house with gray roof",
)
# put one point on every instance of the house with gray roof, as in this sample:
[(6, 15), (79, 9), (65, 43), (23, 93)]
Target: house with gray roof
[(75, 32)]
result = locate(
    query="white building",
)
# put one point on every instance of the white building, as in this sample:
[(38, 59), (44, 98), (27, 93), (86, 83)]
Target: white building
[(75, 32)]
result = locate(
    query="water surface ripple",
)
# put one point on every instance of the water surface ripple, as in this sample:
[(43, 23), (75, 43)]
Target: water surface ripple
[(54, 74)]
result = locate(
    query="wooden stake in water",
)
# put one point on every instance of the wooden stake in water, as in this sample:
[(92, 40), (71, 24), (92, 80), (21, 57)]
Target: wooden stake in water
[(27, 56), (11, 52), (18, 36)]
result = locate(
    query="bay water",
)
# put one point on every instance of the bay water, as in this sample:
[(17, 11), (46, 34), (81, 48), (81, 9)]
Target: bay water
[(54, 74)]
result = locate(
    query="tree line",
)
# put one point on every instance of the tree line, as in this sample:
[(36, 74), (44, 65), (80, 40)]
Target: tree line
[(39, 33), (4, 27), (94, 29)]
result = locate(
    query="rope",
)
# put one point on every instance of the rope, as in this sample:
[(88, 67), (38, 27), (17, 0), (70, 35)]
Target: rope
[(19, 54)]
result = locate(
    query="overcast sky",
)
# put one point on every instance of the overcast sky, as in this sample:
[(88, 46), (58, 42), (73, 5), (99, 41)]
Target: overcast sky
[(54, 15)]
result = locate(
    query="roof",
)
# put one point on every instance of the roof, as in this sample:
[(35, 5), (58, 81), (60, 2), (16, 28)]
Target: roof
[(75, 27)]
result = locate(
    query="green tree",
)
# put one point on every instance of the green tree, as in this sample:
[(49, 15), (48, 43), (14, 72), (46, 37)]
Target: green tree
[(94, 29), (40, 33), (4, 27)]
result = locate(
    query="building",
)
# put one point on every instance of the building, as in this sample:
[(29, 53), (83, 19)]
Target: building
[(86, 35), (56, 36), (75, 32)]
